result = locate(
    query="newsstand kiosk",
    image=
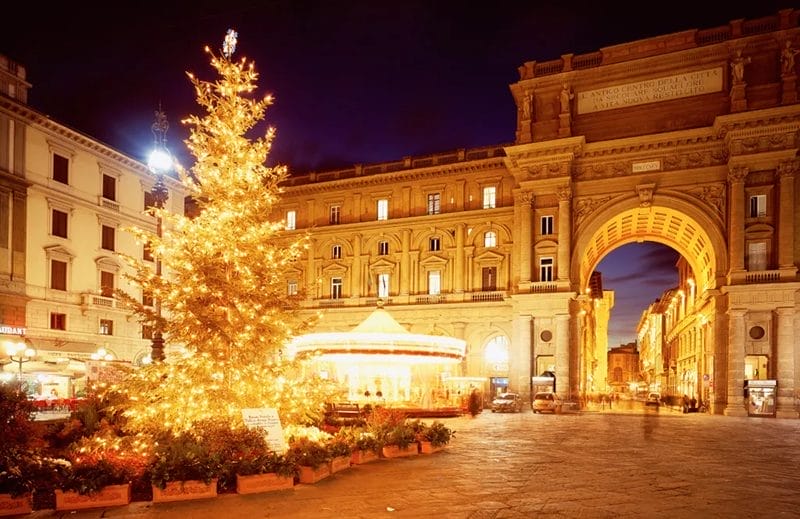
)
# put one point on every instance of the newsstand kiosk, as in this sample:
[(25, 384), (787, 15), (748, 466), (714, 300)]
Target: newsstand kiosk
[(761, 397)]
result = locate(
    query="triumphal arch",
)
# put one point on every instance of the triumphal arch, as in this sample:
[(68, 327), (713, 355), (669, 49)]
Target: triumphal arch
[(688, 139)]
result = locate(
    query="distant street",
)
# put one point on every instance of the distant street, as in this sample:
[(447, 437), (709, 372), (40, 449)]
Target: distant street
[(627, 464)]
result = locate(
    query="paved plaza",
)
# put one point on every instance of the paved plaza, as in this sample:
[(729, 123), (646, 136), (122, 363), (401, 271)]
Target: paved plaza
[(601, 464)]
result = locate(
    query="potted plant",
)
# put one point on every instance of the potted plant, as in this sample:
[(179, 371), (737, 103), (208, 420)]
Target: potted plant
[(312, 458), (434, 437), (364, 446), (340, 452), (23, 473), (93, 483), (182, 468), (264, 471)]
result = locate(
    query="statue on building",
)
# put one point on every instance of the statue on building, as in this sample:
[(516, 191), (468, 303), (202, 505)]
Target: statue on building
[(737, 67), (787, 59), (527, 105), (566, 96)]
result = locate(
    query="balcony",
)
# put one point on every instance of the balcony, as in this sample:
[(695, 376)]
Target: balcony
[(91, 300), (108, 204), (482, 297), (430, 299)]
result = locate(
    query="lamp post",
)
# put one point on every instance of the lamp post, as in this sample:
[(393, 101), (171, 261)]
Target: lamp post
[(160, 162), (20, 353)]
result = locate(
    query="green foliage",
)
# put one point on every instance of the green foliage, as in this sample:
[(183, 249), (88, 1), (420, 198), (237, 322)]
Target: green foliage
[(339, 446), (437, 433), (359, 439), (16, 412), (308, 453), (90, 477), (181, 458), (22, 472), (391, 427)]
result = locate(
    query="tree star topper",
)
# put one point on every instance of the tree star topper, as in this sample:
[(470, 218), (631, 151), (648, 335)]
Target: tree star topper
[(229, 44)]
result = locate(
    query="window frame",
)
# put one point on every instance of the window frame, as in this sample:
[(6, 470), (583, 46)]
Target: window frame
[(490, 239), (546, 225), (546, 268), (489, 197), (337, 285), (335, 214), (758, 206), (291, 220), (106, 327), (434, 282), (53, 278), (108, 237), (383, 248), (434, 244), (109, 187), (434, 205), (382, 209), (383, 284), (57, 223), (336, 251), (60, 168), (58, 321)]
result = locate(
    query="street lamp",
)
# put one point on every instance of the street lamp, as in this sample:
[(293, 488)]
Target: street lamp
[(160, 162), (102, 354), (20, 353)]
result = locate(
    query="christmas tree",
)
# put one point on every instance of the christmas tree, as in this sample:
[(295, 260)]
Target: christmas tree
[(224, 292)]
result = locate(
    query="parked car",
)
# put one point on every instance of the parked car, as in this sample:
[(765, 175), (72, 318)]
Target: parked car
[(653, 399), (546, 402), (507, 402)]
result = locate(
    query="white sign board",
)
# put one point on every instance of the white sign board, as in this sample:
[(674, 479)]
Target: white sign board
[(267, 420), (651, 91)]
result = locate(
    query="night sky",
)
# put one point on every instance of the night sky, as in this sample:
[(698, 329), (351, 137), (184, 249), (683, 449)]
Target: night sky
[(354, 81)]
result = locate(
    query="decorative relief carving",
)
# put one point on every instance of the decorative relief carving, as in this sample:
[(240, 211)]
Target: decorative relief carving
[(524, 198), (564, 193), (738, 174), (788, 168), (645, 192), (586, 206), (712, 195)]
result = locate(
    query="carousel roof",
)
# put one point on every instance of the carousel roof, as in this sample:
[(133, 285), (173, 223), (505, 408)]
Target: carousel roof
[(380, 334)]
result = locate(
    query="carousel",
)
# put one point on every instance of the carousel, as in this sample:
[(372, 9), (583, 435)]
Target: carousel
[(381, 363)]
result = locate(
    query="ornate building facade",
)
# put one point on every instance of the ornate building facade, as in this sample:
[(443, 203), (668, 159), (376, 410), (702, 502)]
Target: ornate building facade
[(65, 201), (688, 139)]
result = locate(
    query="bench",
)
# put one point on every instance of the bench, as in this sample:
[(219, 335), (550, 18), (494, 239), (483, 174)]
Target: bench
[(345, 413)]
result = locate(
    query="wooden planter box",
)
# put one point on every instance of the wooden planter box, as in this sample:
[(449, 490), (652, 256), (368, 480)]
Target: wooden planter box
[(361, 457), (184, 491), (340, 463), (394, 451), (310, 475), (428, 448), (15, 505), (257, 483), (112, 495)]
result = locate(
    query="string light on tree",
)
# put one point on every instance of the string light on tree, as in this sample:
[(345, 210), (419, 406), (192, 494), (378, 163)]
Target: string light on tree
[(225, 292)]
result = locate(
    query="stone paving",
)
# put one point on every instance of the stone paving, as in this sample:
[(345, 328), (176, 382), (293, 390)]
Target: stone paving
[(604, 464)]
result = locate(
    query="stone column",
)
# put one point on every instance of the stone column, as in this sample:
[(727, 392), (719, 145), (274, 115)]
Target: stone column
[(524, 206), (785, 172), (459, 275), (735, 369), (357, 278), (736, 178), (564, 231), (520, 355), (785, 364), (405, 274), (562, 356)]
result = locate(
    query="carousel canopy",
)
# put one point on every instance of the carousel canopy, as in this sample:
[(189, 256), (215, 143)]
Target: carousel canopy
[(380, 334)]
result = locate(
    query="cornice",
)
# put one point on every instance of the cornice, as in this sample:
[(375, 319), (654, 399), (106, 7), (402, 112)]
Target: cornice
[(406, 175)]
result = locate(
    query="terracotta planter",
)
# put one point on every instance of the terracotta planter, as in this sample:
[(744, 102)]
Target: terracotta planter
[(112, 495), (15, 505), (428, 448), (394, 451), (184, 491), (257, 483), (361, 457), (340, 463), (310, 475)]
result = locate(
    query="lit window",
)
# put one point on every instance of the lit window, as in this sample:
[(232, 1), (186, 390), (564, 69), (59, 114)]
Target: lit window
[(147, 252), (59, 223), (147, 298), (383, 248), (58, 321), (435, 244), (758, 206), (546, 269), (336, 252), (106, 327), (291, 220), (383, 285), (383, 209), (434, 282), (336, 288), (434, 203), (490, 239), (291, 288), (335, 214), (547, 224), (489, 197)]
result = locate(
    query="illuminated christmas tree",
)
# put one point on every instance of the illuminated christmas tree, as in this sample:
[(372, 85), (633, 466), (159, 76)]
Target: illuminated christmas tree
[(225, 289)]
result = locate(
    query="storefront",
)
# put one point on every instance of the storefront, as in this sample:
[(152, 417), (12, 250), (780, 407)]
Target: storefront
[(761, 397)]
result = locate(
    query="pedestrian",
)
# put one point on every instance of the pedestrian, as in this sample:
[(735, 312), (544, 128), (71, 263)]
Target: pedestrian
[(685, 403)]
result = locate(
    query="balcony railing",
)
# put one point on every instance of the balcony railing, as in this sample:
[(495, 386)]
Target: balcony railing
[(763, 276), (89, 299), (431, 299), (109, 204), (480, 297)]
